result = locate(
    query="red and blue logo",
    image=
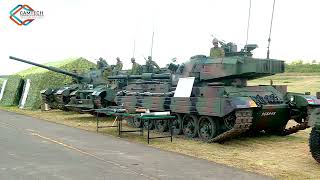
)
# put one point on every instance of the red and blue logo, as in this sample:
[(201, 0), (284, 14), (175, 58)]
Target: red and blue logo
[(21, 15)]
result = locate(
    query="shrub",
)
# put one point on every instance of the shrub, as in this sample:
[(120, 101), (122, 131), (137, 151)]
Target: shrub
[(303, 68)]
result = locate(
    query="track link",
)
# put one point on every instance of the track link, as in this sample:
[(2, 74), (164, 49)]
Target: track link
[(301, 126), (243, 121)]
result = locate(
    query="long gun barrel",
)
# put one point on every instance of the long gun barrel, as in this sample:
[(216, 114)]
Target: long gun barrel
[(144, 76), (74, 75)]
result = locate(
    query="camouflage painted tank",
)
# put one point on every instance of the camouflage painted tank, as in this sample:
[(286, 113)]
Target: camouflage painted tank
[(221, 105), (58, 97), (103, 94), (68, 94), (97, 93), (314, 139)]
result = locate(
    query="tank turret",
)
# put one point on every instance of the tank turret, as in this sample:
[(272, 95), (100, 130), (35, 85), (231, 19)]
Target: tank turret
[(228, 69)]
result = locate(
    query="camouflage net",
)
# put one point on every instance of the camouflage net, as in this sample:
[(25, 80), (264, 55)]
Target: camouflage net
[(1, 81), (12, 91), (41, 78)]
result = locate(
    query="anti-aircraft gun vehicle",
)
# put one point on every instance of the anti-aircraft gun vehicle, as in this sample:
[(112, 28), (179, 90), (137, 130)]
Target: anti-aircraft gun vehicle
[(221, 104), (314, 139), (62, 96)]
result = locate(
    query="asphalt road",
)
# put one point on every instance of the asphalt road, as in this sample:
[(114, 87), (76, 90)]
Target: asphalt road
[(36, 149)]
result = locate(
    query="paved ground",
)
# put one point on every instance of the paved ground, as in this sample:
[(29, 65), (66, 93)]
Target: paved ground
[(36, 149)]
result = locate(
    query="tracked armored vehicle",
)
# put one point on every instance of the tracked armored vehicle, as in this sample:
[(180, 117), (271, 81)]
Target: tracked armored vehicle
[(58, 97), (79, 94), (314, 139), (221, 104)]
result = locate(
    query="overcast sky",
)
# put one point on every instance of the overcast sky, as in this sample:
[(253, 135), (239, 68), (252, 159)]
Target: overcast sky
[(182, 28)]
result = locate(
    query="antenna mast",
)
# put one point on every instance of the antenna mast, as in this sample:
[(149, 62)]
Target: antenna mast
[(134, 48), (152, 43), (269, 39), (248, 25)]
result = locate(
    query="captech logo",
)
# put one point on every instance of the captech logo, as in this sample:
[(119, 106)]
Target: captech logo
[(24, 15)]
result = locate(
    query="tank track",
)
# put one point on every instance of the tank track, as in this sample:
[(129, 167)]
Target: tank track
[(302, 126), (243, 121), (44, 99), (314, 143)]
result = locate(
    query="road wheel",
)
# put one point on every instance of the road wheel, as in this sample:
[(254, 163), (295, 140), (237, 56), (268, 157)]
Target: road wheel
[(161, 125), (229, 121), (136, 122), (146, 125), (314, 144), (208, 128), (130, 121), (190, 126), (177, 124)]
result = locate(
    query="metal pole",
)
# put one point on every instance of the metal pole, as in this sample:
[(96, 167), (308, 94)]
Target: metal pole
[(97, 118), (134, 48), (248, 25), (152, 43), (142, 129), (269, 39), (170, 124), (148, 130), (119, 125)]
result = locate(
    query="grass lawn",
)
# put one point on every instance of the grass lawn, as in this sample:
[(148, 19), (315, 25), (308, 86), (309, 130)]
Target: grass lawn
[(280, 157), (296, 82)]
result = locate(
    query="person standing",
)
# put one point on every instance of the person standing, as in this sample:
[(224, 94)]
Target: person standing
[(216, 51), (136, 68), (151, 65), (119, 65)]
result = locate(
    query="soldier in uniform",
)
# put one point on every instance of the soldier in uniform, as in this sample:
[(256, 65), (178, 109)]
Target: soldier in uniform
[(150, 65), (216, 51), (136, 68), (118, 67), (102, 63), (104, 66), (119, 64)]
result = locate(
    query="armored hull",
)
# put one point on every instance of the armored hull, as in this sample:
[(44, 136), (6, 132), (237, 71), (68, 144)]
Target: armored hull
[(212, 112), (89, 98), (314, 139), (62, 95), (58, 98)]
